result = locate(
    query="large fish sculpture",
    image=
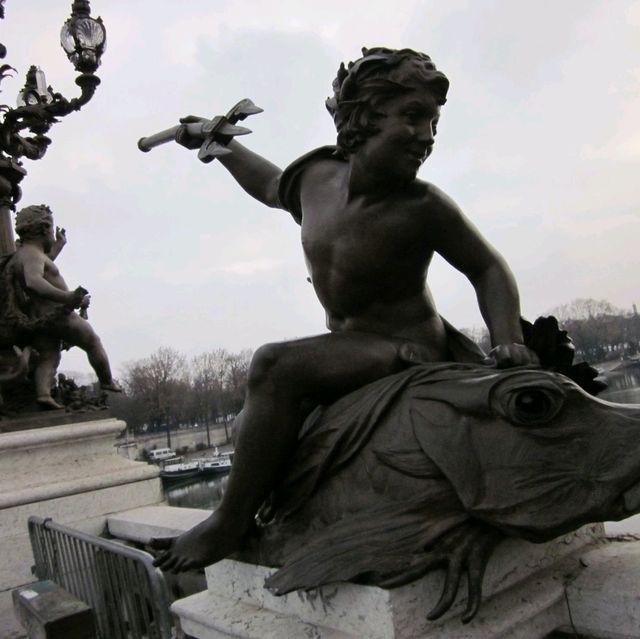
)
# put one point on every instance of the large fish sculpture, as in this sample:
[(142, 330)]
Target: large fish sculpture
[(433, 466)]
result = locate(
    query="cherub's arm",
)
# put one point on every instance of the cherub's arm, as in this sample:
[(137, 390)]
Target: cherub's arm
[(256, 175), (33, 264), (61, 240), (463, 246)]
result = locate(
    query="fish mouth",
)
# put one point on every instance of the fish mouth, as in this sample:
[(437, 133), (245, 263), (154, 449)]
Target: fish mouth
[(631, 498)]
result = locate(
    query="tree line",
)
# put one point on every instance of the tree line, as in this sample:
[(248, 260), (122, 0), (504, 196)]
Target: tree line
[(166, 390), (600, 331)]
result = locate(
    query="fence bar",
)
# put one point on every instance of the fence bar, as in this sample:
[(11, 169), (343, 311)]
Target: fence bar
[(127, 593)]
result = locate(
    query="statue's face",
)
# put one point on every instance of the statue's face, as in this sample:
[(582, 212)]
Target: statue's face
[(48, 233), (406, 136)]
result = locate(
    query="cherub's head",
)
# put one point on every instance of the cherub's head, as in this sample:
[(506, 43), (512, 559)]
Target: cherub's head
[(362, 87), (34, 222)]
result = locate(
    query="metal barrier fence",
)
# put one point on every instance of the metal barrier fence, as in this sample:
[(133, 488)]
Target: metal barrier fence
[(127, 593)]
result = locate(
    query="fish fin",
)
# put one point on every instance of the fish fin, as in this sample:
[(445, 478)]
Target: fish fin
[(411, 462)]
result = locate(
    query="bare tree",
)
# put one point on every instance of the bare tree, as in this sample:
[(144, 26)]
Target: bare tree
[(236, 381), (208, 371), (599, 329), (161, 383), (583, 309), (480, 335), (165, 390)]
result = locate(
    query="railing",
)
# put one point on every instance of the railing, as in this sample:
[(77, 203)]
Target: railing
[(128, 595)]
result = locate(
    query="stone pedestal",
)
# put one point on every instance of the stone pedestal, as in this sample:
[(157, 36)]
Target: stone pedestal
[(605, 599), (524, 599), (71, 473)]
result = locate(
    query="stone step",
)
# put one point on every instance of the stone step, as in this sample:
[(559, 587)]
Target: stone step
[(531, 610), (532, 571), (207, 617)]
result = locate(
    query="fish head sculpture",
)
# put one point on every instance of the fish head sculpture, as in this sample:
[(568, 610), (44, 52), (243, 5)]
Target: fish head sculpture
[(529, 451)]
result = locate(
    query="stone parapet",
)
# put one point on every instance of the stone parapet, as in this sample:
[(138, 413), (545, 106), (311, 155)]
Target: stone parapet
[(605, 599), (71, 473), (48, 463)]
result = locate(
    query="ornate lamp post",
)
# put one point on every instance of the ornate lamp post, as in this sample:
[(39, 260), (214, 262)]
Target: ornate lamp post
[(84, 39)]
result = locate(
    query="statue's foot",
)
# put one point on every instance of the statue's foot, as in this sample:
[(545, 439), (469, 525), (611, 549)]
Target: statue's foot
[(48, 403), (203, 545), (111, 387)]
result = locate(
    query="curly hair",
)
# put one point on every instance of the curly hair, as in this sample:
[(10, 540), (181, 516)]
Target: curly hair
[(31, 220), (361, 88)]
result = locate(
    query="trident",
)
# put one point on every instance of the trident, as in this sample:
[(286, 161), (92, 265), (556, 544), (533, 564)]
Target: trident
[(216, 133)]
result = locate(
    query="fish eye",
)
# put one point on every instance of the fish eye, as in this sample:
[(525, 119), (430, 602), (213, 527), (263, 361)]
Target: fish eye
[(532, 406)]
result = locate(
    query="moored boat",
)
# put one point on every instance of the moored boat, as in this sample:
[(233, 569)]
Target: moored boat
[(215, 465), (181, 470)]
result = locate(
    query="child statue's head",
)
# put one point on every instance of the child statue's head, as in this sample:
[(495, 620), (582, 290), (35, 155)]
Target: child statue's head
[(34, 221), (362, 87)]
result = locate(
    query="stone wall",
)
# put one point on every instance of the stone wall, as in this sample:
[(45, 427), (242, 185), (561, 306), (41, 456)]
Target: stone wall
[(71, 473)]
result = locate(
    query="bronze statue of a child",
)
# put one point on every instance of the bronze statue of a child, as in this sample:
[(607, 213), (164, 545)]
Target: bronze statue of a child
[(42, 306), (369, 230)]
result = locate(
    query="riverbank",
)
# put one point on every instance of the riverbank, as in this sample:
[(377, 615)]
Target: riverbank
[(186, 442)]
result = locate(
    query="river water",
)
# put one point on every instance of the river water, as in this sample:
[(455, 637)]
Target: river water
[(197, 493), (624, 387)]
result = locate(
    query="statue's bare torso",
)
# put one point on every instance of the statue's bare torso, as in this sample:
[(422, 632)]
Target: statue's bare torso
[(30, 261), (368, 260)]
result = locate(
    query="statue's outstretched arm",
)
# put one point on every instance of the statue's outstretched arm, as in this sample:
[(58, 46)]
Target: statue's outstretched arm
[(59, 244), (256, 175), (215, 139)]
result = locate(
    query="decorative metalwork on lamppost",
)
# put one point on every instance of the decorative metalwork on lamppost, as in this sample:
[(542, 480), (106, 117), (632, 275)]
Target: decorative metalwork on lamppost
[(23, 128)]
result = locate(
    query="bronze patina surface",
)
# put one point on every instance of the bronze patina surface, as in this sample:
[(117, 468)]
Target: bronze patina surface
[(387, 479)]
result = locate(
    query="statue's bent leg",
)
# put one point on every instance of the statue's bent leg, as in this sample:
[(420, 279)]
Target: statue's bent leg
[(79, 332), (281, 376), (45, 371)]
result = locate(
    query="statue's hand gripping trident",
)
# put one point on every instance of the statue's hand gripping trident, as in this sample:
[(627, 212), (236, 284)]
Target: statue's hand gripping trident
[(215, 134)]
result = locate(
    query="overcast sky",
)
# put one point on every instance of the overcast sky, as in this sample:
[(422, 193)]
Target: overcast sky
[(539, 143)]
